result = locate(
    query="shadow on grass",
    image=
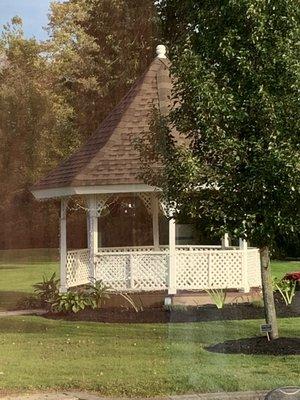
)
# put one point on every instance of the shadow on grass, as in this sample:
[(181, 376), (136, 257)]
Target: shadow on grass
[(258, 346)]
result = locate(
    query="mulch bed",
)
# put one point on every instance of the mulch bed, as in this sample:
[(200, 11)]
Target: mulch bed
[(204, 313), (258, 345)]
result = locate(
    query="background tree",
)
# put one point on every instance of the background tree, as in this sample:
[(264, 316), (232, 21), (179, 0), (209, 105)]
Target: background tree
[(99, 48), (236, 69), (36, 131), (55, 93)]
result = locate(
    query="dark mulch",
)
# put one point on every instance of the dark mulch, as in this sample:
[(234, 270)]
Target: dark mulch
[(204, 313), (258, 345)]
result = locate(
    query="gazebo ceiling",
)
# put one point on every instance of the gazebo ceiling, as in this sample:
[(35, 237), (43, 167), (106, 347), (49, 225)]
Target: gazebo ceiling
[(109, 162)]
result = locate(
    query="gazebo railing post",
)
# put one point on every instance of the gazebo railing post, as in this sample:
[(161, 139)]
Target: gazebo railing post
[(243, 245), (92, 235), (63, 246), (172, 257), (155, 221), (225, 241)]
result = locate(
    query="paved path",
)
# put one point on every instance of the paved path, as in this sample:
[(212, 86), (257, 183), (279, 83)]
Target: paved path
[(88, 396)]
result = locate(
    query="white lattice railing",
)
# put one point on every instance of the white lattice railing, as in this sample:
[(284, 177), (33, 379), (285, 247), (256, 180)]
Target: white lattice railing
[(253, 266), (146, 269), (78, 267)]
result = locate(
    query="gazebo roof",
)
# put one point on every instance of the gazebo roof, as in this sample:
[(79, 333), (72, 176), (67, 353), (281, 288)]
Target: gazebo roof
[(109, 162)]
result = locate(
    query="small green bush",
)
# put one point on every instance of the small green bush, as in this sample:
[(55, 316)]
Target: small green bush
[(47, 290), (257, 303), (286, 288), (98, 292), (72, 302), (218, 296)]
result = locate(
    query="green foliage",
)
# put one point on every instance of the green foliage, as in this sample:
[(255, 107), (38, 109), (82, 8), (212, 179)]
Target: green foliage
[(99, 292), (54, 94), (72, 302), (47, 290), (286, 288), (99, 48), (218, 296), (236, 65), (257, 303)]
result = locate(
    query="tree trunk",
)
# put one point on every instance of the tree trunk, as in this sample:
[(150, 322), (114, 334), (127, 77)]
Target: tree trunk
[(270, 312)]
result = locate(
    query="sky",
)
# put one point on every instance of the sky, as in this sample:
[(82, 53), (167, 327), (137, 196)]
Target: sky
[(33, 12)]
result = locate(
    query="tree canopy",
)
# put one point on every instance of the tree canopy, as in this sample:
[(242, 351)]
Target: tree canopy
[(236, 74), (236, 70)]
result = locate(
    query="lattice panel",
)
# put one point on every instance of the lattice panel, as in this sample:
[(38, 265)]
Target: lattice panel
[(226, 269), (142, 269), (254, 272), (77, 268), (147, 200), (192, 269), (136, 272), (149, 271), (113, 270)]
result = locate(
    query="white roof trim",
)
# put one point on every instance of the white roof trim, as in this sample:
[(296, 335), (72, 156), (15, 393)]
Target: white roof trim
[(82, 190)]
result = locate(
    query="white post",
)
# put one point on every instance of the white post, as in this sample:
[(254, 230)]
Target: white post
[(172, 257), (155, 221), (243, 245), (225, 241), (92, 234), (63, 246)]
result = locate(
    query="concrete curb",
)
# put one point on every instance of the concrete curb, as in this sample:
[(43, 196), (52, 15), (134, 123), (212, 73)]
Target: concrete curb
[(256, 395)]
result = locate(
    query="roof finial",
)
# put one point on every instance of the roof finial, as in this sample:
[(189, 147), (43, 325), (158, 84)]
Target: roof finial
[(161, 51)]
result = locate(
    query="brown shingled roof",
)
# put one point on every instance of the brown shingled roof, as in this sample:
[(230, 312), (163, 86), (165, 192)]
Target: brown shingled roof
[(109, 156)]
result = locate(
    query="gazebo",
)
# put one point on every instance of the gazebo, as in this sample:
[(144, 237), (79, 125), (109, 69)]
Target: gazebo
[(107, 168)]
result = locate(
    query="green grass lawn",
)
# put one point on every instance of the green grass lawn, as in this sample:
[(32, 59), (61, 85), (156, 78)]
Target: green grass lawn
[(126, 359), (20, 269), (280, 268), (137, 359)]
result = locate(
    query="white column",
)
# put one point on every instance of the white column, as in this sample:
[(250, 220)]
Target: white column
[(243, 245), (172, 256), (155, 221), (63, 246), (92, 234), (225, 241)]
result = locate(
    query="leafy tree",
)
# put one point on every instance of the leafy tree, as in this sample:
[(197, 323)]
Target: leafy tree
[(99, 48), (36, 130), (55, 93), (236, 69)]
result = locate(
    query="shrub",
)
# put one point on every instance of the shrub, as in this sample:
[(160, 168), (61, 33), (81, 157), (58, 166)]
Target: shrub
[(218, 296), (257, 303), (286, 288), (47, 290), (72, 302), (99, 292)]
